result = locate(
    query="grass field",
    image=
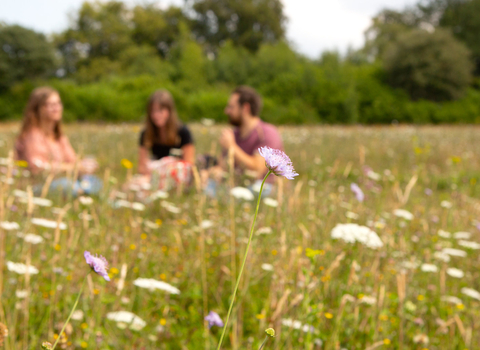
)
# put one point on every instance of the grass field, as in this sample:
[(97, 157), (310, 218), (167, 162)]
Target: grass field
[(416, 291)]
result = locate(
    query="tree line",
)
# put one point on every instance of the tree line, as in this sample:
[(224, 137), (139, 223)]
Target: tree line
[(419, 65)]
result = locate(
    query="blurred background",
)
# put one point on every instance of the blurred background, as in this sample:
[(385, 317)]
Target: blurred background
[(342, 62)]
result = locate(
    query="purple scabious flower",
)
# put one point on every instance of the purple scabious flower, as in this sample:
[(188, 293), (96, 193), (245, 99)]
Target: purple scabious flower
[(98, 264), (278, 162), (213, 319), (357, 191)]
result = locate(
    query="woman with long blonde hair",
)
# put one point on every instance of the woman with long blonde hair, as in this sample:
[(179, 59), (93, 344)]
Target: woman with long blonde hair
[(163, 135), (44, 146)]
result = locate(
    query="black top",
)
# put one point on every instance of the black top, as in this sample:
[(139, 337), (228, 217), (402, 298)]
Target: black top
[(159, 150)]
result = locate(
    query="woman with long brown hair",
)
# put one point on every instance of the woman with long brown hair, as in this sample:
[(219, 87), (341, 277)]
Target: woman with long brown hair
[(44, 146), (163, 133)]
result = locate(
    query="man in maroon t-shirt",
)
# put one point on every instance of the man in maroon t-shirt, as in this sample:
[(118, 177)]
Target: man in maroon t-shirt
[(250, 132)]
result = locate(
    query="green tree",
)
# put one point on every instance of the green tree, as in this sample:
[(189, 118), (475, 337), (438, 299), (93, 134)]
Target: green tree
[(246, 23), (433, 66), (24, 54)]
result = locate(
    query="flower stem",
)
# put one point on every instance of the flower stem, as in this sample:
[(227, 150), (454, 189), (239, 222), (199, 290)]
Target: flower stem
[(71, 312), (261, 346), (243, 263)]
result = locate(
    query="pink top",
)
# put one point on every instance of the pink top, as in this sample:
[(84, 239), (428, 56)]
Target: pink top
[(264, 134), (42, 152)]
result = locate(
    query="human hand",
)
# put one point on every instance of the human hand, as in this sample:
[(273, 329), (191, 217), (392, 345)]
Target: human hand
[(227, 139)]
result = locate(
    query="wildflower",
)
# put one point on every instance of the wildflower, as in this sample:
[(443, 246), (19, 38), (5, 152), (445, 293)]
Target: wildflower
[(152, 284), (444, 234), (270, 332), (429, 268), (469, 244), (287, 322), (267, 267), (352, 233), (33, 239), (454, 252), (98, 264), (270, 202), (462, 235), (451, 299), (47, 346), (455, 272), (242, 193), (264, 231), (85, 200), (357, 191), (352, 215), (369, 300), (205, 224), (278, 162), (77, 315), (124, 318), (442, 256), (9, 226), (21, 294), (48, 223), (21, 269), (404, 214), (207, 122), (421, 339), (446, 204), (472, 293), (170, 207), (127, 164), (213, 319), (3, 333), (428, 192)]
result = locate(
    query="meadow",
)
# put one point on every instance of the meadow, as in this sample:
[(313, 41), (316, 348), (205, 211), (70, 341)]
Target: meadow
[(417, 287)]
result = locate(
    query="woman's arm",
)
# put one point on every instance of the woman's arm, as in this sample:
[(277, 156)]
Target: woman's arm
[(143, 161), (189, 153)]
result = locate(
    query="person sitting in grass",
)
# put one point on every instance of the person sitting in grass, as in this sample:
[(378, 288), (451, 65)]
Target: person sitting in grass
[(166, 145), (249, 133), (45, 148)]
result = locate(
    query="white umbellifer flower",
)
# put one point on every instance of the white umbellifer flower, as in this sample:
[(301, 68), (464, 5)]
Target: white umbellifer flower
[(442, 256), (42, 202), (472, 293), (150, 283), (455, 272), (32, 238), (352, 215), (170, 207), (21, 269), (351, 233), (242, 193), (151, 224), (411, 265), (138, 206), (446, 204), (77, 315), (369, 300), (373, 175), (270, 202), (21, 294), (264, 231), (469, 244), (85, 200), (267, 267), (429, 268), (462, 235), (451, 299), (128, 318), (159, 195), (454, 252), (287, 322), (444, 234), (206, 224), (9, 225), (85, 216), (48, 223), (421, 339), (404, 214)]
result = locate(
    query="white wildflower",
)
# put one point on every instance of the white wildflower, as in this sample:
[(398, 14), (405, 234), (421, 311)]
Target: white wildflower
[(446, 204), (373, 175), (21, 294), (159, 195), (429, 268), (442, 256), (207, 121), (421, 339), (77, 315), (472, 293), (48, 223), (454, 252), (152, 284), (85, 200), (462, 235), (369, 300), (170, 207), (32, 238), (444, 234), (270, 202), (128, 318), (21, 269), (404, 214), (287, 322), (455, 272), (352, 215), (451, 299), (150, 224), (411, 265), (267, 267), (469, 244), (242, 193), (264, 231), (138, 206), (9, 226), (351, 233)]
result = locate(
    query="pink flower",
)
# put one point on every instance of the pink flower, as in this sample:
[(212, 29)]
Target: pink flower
[(213, 319), (98, 264), (357, 191), (278, 162)]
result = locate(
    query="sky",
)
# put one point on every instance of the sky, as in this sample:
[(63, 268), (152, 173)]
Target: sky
[(313, 25)]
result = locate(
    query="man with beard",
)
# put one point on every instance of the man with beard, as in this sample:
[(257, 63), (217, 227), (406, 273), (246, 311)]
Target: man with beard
[(250, 132)]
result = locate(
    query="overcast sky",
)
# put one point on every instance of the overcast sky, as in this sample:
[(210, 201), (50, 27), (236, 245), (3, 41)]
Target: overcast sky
[(313, 25)]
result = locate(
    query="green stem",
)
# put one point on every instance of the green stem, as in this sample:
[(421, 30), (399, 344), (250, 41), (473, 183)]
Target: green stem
[(261, 346), (243, 263), (71, 312)]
